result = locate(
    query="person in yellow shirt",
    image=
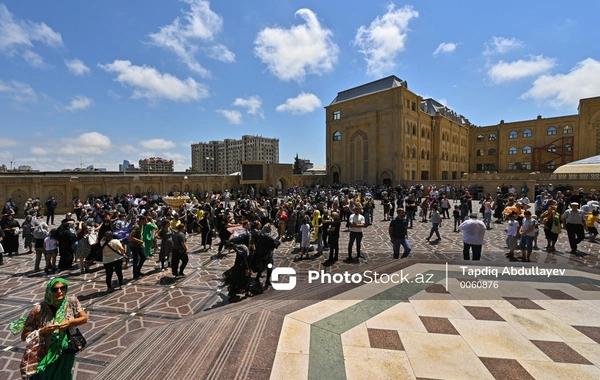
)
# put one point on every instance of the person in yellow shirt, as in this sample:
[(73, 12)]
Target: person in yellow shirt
[(175, 222), (590, 224)]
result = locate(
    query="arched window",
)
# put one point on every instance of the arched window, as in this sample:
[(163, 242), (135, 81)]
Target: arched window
[(428, 134), (551, 165), (423, 132), (512, 150), (480, 152), (414, 129), (527, 133), (551, 131), (568, 130), (526, 149), (414, 152), (551, 148), (492, 152), (568, 147), (480, 138), (513, 135), (427, 156), (422, 154), (337, 136), (492, 137)]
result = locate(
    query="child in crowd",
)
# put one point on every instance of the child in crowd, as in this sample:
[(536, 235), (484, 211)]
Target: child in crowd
[(456, 216), (590, 223), (512, 236)]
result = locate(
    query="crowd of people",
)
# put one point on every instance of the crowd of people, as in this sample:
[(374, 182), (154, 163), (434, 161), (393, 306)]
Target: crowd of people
[(126, 230)]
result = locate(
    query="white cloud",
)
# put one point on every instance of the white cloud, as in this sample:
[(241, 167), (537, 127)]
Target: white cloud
[(445, 47), (158, 144), (301, 104), (77, 67), (234, 116), (7, 143), (291, 54), (17, 37), (221, 53), (79, 103), (86, 143), (501, 45), (18, 91), (147, 82), (39, 151), (509, 71), (201, 24), (384, 39), (252, 104), (583, 81)]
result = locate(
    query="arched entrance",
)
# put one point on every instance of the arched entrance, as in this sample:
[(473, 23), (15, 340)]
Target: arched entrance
[(385, 177), (336, 177)]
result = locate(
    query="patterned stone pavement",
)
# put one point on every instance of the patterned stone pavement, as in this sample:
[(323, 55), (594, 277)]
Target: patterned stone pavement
[(159, 328)]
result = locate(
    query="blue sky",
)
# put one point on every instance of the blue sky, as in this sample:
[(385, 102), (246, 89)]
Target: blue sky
[(106, 81)]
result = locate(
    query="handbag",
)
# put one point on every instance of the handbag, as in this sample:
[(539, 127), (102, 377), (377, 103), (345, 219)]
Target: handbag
[(76, 342), (555, 226), (30, 360)]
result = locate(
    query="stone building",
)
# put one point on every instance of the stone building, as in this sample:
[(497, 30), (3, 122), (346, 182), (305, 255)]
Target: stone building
[(225, 157), (539, 145), (156, 164), (381, 132)]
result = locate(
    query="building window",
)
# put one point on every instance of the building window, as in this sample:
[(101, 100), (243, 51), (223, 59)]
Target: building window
[(551, 165), (423, 132), (413, 106), (480, 138), (551, 148), (568, 130), (568, 147), (527, 133), (492, 137), (513, 135), (444, 175), (414, 152), (337, 115), (414, 129), (486, 167), (492, 152), (551, 131), (425, 175), (519, 166), (422, 154), (480, 152), (526, 149), (337, 136), (512, 150)]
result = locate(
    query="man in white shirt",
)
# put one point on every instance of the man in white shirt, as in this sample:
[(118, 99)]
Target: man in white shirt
[(473, 232), (356, 223)]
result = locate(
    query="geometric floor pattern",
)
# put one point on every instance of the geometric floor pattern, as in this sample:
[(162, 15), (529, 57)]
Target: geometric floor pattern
[(522, 329), (158, 328)]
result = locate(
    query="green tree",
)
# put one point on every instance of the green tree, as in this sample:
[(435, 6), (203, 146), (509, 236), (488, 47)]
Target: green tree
[(297, 165)]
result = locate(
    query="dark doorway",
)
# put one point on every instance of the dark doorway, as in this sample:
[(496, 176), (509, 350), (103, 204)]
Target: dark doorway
[(336, 177)]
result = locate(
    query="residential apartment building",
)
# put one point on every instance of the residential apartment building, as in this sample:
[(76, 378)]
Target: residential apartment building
[(156, 165), (382, 132), (225, 157)]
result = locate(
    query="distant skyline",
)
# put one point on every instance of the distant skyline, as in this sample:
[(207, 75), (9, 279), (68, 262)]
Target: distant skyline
[(109, 82)]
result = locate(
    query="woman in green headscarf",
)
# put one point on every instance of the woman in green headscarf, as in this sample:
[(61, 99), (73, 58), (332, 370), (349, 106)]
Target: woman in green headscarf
[(51, 319)]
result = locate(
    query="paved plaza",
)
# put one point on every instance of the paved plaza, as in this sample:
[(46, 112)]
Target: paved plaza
[(453, 325)]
